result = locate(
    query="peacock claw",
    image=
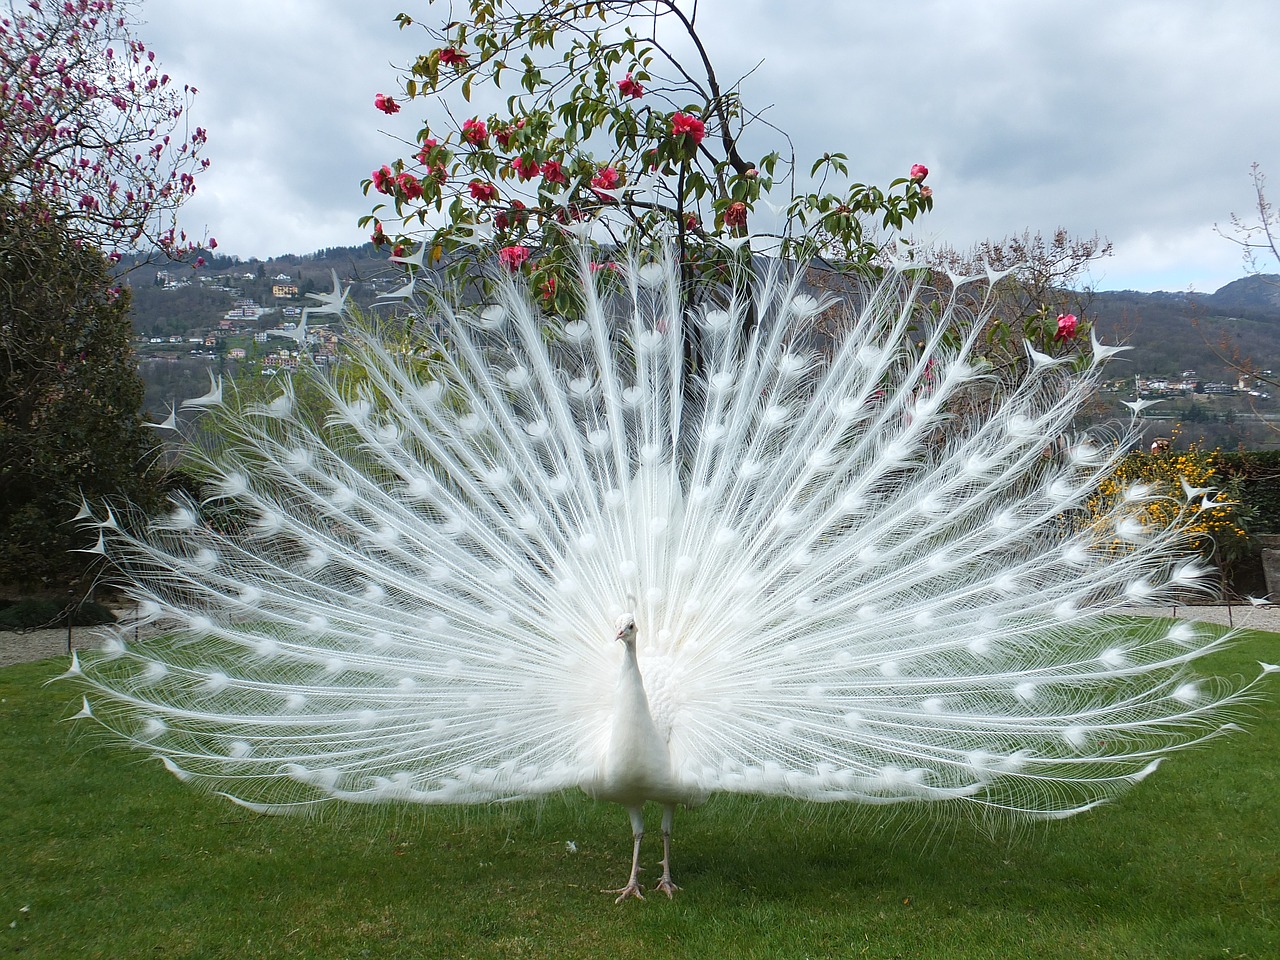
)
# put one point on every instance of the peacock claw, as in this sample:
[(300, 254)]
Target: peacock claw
[(667, 887), (632, 889)]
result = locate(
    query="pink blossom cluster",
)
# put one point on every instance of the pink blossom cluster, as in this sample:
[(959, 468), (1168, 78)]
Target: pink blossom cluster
[(513, 258), (607, 179), (918, 172), (630, 88), (92, 127), (686, 125)]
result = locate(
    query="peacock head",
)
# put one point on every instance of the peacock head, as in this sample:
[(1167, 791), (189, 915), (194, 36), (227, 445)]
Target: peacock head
[(627, 629)]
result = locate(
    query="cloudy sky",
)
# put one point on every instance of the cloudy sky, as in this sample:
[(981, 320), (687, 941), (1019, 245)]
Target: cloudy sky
[(1134, 119)]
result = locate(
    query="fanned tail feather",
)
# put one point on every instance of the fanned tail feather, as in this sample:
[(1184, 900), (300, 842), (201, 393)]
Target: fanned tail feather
[(859, 572)]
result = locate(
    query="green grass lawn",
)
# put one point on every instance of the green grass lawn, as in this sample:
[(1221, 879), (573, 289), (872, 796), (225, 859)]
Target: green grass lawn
[(103, 854)]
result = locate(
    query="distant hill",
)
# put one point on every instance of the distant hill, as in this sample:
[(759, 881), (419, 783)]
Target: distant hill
[(1172, 332), (1258, 294), (1169, 332)]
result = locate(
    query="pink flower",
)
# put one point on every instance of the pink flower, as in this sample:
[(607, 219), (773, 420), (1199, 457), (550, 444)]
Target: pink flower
[(553, 173), (386, 104), (1067, 323), (409, 186), (453, 57), (630, 88), (384, 180), (736, 215), (483, 191), (515, 215), (513, 257), (424, 154), (606, 179), (684, 125), (474, 131), (525, 170), (213, 243), (919, 171), (503, 135), (926, 192)]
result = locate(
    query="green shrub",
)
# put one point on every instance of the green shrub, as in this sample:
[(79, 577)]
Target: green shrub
[(34, 613), (1259, 474)]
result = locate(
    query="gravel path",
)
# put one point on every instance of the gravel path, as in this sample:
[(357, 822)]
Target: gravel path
[(42, 644)]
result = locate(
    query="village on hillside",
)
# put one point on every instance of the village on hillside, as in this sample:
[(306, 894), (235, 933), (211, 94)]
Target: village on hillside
[(240, 318)]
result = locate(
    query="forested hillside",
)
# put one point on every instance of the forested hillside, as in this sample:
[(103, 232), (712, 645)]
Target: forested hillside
[(1189, 349), (1214, 334)]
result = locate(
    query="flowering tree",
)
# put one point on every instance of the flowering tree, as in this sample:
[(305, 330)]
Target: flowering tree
[(608, 131), (92, 132), (1042, 294)]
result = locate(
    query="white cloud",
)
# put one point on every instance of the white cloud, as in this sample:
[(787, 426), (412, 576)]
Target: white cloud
[(1137, 121)]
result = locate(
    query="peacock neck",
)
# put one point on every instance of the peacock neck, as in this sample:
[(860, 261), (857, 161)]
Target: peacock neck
[(630, 680), (635, 735)]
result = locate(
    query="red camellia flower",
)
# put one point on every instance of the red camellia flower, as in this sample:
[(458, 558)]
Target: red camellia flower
[(483, 191), (474, 131), (926, 192), (409, 186), (685, 125), (427, 146), (515, 215), (504, 133), (606, 179), (513, 257), (630, 88), (386, 104), (548, 288), (919, 171), (736, 215), (384, 180), (1067, 323), (553, 173), (453, 57), (525, 169)]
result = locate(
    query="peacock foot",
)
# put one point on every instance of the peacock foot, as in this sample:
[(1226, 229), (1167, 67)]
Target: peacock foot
[(632, 889), (667, 887)]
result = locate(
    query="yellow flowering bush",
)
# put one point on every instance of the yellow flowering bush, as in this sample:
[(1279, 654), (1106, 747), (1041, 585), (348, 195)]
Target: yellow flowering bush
[(1178, 482)]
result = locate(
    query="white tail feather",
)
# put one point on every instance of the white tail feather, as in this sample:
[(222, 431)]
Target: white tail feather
[(860, 573)]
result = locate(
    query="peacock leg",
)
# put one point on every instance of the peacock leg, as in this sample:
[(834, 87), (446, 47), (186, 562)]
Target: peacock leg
[(632, 889), (665, 884)]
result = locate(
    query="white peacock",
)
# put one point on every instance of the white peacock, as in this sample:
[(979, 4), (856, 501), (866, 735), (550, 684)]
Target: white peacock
[(858, 574)]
